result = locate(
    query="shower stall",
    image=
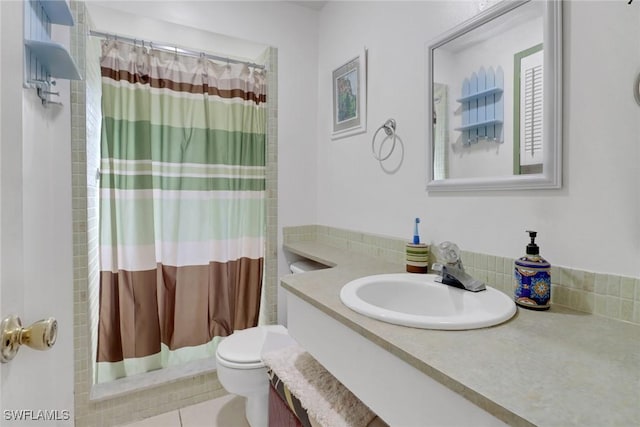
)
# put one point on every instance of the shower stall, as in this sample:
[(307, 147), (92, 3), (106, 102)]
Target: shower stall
[(157, 296)]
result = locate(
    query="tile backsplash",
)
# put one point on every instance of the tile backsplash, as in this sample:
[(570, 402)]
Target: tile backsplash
[(612, 296)]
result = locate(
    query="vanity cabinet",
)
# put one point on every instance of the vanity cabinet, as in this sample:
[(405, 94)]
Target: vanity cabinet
[(396, 391)]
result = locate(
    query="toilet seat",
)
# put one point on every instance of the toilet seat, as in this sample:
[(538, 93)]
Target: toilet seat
[(236, 365), (241, 350)]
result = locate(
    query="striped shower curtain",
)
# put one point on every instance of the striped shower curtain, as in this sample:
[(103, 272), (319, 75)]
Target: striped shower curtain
[(182, 207)]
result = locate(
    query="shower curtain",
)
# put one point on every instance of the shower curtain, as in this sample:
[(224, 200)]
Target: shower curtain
[(182, 207)]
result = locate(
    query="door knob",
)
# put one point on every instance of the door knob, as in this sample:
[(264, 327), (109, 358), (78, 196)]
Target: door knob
[(40, 336)]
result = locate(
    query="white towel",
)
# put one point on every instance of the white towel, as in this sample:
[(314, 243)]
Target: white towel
[(326, 400)]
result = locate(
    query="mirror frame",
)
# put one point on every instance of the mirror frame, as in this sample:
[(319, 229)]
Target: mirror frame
[(551, 176)]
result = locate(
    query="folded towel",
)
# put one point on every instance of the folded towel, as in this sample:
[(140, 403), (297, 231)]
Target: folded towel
[(326, 400)]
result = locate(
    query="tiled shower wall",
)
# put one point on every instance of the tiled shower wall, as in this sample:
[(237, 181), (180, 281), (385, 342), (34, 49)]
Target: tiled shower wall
[(93, 118), (612, 296), (270, 288), (85, 119)]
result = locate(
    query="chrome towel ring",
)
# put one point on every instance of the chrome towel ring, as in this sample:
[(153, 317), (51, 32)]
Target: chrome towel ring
[(390, 129)]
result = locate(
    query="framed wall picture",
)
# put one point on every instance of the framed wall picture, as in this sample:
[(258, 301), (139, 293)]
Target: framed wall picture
[(350, 97)]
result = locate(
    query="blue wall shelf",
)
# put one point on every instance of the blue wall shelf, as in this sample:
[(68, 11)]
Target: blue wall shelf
[(482, 106), (479, 125), (58, 12), (55, 58), (482, 94), (43, 58)]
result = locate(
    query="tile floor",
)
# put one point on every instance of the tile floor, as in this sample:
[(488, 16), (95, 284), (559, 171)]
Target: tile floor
[(225, 411)]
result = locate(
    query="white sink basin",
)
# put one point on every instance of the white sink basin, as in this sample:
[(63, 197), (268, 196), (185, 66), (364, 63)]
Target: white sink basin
[(417, 300)]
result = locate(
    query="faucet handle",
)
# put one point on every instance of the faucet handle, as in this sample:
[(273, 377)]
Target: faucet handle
[(437, 266), (448, 253)]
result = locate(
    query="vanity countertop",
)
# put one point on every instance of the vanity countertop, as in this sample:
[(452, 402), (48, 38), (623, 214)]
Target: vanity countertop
[(552, 368)]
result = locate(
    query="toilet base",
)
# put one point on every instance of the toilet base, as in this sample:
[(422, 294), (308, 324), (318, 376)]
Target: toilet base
[(257, 409)]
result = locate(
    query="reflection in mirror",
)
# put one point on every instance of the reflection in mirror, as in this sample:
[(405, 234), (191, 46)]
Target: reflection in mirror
[(440, 131), (494, 100)]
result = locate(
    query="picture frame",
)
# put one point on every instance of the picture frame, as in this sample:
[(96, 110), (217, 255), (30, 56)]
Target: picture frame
[(349, 100)]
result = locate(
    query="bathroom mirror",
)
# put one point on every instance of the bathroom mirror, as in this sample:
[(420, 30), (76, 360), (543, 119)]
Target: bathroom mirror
[(494, 100)]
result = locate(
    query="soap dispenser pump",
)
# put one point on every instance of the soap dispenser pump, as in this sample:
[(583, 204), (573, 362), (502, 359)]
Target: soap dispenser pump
[(532, 278)]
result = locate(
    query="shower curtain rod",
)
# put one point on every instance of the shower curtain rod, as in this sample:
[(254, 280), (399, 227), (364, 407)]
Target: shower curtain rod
[(168, 48)]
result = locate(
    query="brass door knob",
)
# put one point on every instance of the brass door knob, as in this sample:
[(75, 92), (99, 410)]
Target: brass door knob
[(40, 336)]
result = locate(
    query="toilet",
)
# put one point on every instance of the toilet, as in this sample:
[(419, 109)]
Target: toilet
[(305, 265), (241, 370)]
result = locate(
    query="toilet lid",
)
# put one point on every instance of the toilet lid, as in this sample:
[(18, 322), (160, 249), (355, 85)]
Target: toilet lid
[(244, 346)]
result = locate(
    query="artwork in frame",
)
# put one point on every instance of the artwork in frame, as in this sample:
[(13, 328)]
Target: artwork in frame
[(349, 101)]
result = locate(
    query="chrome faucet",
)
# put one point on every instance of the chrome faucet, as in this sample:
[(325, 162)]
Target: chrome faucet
[(452, 270)]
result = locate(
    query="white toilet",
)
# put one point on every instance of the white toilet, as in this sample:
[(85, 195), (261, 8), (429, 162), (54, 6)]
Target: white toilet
[(242, 372), (239, 362)]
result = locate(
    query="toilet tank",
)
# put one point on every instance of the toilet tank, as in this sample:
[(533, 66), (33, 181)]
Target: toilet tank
[(305, 265)]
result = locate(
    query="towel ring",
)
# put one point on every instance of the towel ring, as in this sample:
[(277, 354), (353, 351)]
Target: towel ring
[(390, 129)]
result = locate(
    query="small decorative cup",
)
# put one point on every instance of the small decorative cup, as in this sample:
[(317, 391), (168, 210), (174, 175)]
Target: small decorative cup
[(417, 258)]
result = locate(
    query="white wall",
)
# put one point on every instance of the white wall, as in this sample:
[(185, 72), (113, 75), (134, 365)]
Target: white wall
[(36, 256), (592, 223), (112, 18)]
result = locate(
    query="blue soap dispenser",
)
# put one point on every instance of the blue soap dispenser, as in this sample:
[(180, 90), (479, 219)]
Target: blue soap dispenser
[(532, 276)]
